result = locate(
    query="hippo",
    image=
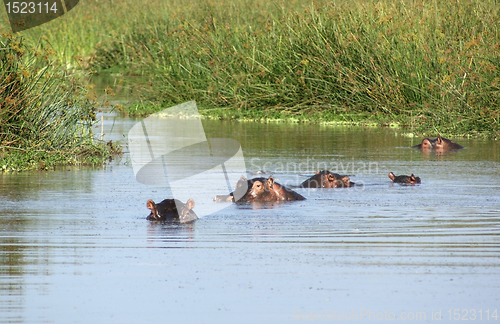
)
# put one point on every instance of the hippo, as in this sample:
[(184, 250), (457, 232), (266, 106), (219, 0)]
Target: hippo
[(327, 179), (260, 190), (167, 210), (404, 178), (439, 144)]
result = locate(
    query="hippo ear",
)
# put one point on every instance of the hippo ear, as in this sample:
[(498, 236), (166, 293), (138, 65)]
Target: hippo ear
[(242, 182), (270, 182), (190, 204), (392, 176), (150, 204), (439, 140), (317, 172), (331, 177), (412, 177)]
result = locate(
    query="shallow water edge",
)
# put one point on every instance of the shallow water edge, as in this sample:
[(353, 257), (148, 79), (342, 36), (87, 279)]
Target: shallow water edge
[(75, 245)]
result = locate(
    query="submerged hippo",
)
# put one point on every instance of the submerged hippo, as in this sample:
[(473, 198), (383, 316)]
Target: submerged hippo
[(260, 190), (167, 210), (439, 144), (404, 178), (327, 179)]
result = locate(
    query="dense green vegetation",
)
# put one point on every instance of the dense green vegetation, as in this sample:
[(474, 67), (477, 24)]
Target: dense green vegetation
[(432, 66), (429, 66), (45, 116)]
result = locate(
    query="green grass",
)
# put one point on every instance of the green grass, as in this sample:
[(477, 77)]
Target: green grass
[(74, 35), (430, 66), (310, 114), (45, 115)]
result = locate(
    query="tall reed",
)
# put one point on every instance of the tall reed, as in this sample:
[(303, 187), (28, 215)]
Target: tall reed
[(45, 117), (430, 65)]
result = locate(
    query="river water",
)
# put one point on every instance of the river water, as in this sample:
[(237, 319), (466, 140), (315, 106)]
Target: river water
[(75, 246)]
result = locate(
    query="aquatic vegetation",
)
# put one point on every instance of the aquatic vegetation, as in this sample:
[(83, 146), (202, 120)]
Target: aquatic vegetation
[(430, 66), (45, 116)]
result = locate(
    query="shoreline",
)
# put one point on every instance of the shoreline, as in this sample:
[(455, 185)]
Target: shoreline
[(319, 118)]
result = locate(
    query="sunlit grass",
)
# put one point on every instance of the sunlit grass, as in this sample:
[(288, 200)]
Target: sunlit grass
[(432, 66), (45, 116)]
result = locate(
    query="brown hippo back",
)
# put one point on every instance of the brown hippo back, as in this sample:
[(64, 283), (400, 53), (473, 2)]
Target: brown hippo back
[(439, 144), (281, 192), (260, 190)]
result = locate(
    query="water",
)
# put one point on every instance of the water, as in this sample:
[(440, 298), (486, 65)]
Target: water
[(75, 246)]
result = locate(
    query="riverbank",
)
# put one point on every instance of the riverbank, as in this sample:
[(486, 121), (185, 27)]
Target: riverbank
[(46, 115), (409, 125), (432, 67), (426, 66)]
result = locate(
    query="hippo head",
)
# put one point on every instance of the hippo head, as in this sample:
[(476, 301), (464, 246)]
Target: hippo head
[(344, 182), (325, 179), (413, 179), (333, 180), (440, 144), (258, 188), (261, 189), (328, 180), (404, 179), (171, 209)]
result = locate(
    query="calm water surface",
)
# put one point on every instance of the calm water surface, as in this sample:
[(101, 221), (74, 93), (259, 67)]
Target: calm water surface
[(75, 246)]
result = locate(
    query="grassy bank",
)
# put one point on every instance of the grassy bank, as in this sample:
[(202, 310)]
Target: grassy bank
[(74, 35), (45, 116), (432, 66)]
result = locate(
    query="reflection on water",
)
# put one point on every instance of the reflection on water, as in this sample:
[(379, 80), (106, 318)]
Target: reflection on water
[(118, 89), (75, 245)]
